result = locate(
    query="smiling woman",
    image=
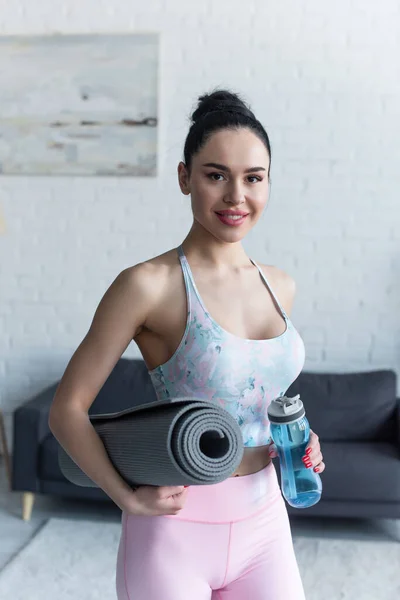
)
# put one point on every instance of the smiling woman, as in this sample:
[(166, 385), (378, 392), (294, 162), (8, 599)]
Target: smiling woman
[(231, 216), (214, 325), (227, 159)]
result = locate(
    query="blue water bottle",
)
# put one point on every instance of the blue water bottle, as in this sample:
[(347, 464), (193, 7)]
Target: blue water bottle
[(290, 432)]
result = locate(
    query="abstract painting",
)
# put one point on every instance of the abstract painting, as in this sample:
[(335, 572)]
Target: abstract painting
[(79, 104)]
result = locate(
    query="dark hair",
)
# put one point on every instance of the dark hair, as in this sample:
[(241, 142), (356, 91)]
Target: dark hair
[(220, 110)]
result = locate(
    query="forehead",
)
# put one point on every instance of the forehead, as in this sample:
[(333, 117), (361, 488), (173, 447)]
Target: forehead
[(238, 147)]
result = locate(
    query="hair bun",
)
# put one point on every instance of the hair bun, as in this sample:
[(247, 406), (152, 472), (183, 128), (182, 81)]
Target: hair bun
[(221, 101)]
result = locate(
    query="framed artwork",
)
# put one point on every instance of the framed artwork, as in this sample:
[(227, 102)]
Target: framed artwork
[(79, 104)]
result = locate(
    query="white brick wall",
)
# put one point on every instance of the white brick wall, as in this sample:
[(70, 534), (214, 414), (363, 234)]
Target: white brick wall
[(324, 79)]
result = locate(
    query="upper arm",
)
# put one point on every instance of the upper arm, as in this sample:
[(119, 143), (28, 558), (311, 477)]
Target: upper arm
[(118, 318)]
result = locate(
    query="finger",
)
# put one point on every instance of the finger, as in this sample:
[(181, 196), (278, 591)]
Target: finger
[(315, 457), (313, 460), (313, 441), (170, 490), (173, 502), (310, 449), (272, 450), (313, 448), (176, 502), (317, 460), (309, 452), (320, 467)]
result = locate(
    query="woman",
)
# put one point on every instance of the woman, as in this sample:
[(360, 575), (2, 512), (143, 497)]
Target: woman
[(210, 324)]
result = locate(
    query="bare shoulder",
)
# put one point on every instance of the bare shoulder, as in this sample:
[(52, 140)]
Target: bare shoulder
[(149, 275), (283, 285), (148, 282)]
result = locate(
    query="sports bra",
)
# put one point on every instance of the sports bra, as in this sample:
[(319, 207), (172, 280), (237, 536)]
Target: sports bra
[(242, 376)]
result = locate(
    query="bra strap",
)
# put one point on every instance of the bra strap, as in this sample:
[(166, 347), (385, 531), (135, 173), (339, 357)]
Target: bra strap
[(264, 278), (181, 253), (184, 264), (187, 279), (191, 288)]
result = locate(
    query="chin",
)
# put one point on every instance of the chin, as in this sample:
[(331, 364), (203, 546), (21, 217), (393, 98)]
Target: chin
[(232, 238), (228, 237)]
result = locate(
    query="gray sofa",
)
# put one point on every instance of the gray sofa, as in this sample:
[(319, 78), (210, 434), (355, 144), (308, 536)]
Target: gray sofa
[(356, 415)]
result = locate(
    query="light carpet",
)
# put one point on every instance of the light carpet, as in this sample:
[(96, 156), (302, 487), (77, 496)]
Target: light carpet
[(76, 560)]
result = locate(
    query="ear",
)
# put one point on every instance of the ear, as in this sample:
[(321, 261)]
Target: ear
[(184, 179)]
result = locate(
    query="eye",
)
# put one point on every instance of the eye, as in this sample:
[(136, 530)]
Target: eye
[(214, 176), (254, 177)]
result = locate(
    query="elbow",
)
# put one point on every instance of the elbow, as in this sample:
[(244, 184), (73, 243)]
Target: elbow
[(57, 416), (61, 415), (54, 415)]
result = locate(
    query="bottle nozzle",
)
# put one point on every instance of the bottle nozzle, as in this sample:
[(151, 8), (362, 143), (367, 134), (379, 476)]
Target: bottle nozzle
[(284, 409), (289, 405)]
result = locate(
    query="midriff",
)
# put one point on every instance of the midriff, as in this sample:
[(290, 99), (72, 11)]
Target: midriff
[(254, 460)]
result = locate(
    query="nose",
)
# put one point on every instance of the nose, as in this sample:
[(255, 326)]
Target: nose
[(235, 194)]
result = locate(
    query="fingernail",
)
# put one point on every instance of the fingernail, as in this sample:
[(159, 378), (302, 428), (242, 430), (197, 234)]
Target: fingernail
[(308, 451), (308, 465), (185, 486), (316, 470)]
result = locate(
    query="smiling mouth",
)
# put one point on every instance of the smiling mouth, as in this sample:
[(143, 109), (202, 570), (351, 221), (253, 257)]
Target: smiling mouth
[(231, 217), (233, 213)]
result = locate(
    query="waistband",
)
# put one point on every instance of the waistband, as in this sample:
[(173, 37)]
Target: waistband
[(234, 499)]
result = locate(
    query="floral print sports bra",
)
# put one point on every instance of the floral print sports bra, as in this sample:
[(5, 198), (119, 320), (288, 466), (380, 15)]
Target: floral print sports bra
[(242, 376)]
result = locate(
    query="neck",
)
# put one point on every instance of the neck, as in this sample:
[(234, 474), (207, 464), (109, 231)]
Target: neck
[(201, 246)]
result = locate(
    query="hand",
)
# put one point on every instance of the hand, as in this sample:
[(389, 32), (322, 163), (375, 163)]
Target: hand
[(313, 457), (156, 501)]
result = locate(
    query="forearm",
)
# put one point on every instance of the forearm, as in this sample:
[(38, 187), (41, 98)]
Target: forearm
[(75, 433)]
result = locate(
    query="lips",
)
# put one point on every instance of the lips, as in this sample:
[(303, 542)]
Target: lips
[(228, 213), (232, 218)]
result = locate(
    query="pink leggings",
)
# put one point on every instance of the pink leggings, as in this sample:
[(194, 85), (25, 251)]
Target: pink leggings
[(231, 541)]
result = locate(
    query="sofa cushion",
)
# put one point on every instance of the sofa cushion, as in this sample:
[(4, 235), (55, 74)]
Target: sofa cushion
[(361, 471), (349, 406)]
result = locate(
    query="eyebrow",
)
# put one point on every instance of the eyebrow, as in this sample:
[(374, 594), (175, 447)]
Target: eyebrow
[(227, 169)]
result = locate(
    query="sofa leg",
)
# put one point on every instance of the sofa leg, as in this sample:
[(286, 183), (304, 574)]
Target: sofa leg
[(27, 504)]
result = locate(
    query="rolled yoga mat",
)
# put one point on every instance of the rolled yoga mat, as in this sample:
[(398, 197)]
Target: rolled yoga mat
[(173, 442)]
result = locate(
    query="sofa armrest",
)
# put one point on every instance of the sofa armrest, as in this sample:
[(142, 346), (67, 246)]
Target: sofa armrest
[(30, 428)]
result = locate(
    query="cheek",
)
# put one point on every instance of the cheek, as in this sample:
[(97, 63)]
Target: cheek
[(261, 194), (258, 201), (200, 203), (204, 188), (204, 196)]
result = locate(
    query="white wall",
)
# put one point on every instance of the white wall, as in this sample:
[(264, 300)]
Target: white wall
[(324, 79)]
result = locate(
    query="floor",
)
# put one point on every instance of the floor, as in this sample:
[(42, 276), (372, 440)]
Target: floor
[(16, 533)]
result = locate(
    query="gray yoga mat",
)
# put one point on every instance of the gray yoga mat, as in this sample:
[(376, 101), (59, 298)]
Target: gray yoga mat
[(174, 442)]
